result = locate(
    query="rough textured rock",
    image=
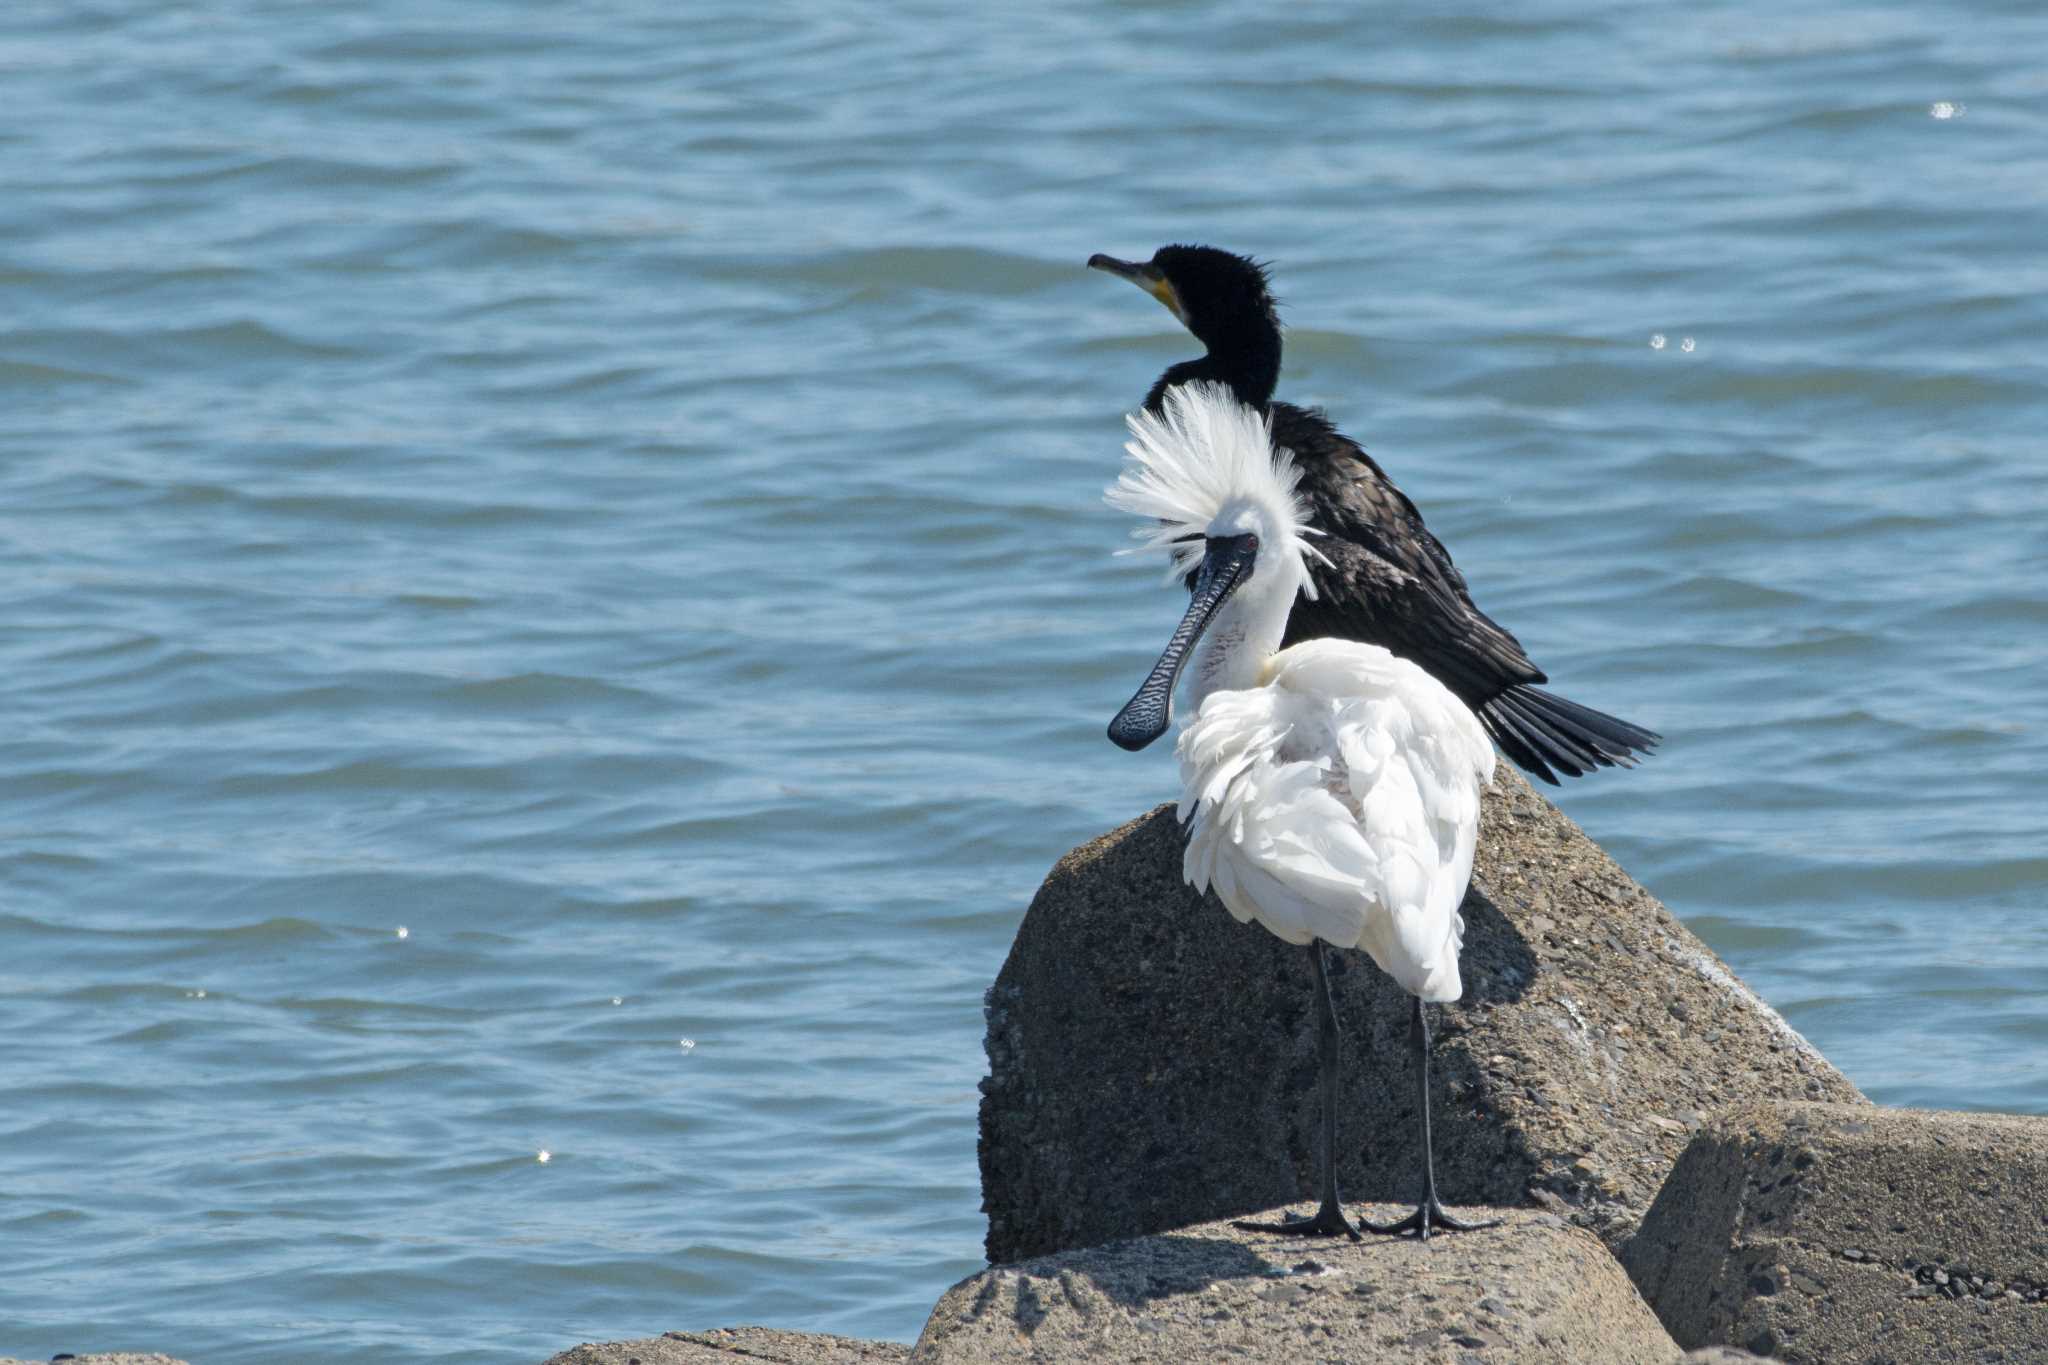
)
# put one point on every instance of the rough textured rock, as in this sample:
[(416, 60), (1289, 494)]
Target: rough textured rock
[(736, 1346), (1848, 1234), (1533, 1290), (1152, 1061)]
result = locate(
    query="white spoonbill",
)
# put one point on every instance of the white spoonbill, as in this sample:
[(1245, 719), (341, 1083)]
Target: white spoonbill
[(1333, 789)]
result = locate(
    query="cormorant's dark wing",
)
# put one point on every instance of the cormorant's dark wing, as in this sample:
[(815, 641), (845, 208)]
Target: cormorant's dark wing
[(1349, 486), (1391, 583), (1361, 595)]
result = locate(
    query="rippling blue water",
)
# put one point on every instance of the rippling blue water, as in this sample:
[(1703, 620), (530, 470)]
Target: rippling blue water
[(540, 533)]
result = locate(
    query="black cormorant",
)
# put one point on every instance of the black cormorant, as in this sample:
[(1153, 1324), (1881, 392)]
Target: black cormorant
[(1389, 582)]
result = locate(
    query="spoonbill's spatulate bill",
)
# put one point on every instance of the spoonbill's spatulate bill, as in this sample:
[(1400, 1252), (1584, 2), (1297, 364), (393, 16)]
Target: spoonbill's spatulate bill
[(1381, 577), (1331, 789)]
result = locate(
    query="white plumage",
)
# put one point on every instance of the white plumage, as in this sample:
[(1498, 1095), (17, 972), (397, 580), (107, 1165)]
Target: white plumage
[(1340, 801), (1333, 788)]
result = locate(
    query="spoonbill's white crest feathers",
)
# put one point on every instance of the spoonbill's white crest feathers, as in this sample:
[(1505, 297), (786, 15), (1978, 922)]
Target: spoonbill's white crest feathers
[(1340, 801), (1204, 456), (1332, 790)]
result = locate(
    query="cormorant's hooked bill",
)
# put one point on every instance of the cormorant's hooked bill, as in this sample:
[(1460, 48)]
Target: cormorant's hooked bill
[(1227, 563), (1146, 275)]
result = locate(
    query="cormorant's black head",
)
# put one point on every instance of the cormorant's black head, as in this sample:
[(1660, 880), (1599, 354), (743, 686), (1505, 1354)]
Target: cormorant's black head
[(1217, 295), (1224, 300)]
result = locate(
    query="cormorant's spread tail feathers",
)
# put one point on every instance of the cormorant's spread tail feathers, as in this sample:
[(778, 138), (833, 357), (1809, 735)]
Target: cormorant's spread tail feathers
[(1540, 732)]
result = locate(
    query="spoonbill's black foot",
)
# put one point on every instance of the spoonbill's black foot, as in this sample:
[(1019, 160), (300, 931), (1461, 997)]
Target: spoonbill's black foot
[(1328, 1222), (1429, 1214)]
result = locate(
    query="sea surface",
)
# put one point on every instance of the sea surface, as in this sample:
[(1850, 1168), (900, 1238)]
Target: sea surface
[(557, 605)]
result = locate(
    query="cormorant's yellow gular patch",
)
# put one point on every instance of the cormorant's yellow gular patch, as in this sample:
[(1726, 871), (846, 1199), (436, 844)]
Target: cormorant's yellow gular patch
[(1162, 289)]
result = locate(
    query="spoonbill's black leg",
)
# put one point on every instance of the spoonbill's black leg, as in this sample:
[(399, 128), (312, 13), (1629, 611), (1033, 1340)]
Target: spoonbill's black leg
[(1329, 1220), (1429, 1213)]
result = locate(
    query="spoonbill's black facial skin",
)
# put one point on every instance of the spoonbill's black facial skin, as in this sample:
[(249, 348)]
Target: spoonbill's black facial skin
[(1227, 562)]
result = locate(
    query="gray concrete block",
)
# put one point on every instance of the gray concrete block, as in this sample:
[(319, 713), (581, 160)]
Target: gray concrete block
[(1533, 1291), (1850, 1234), (736, 1346)]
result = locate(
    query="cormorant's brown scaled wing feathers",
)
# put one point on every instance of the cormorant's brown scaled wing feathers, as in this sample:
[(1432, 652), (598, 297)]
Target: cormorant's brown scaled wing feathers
[(1390, 582), (1387, 568)]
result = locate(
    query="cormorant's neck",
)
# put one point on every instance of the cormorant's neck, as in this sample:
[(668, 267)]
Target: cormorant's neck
[(1250, 368)]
